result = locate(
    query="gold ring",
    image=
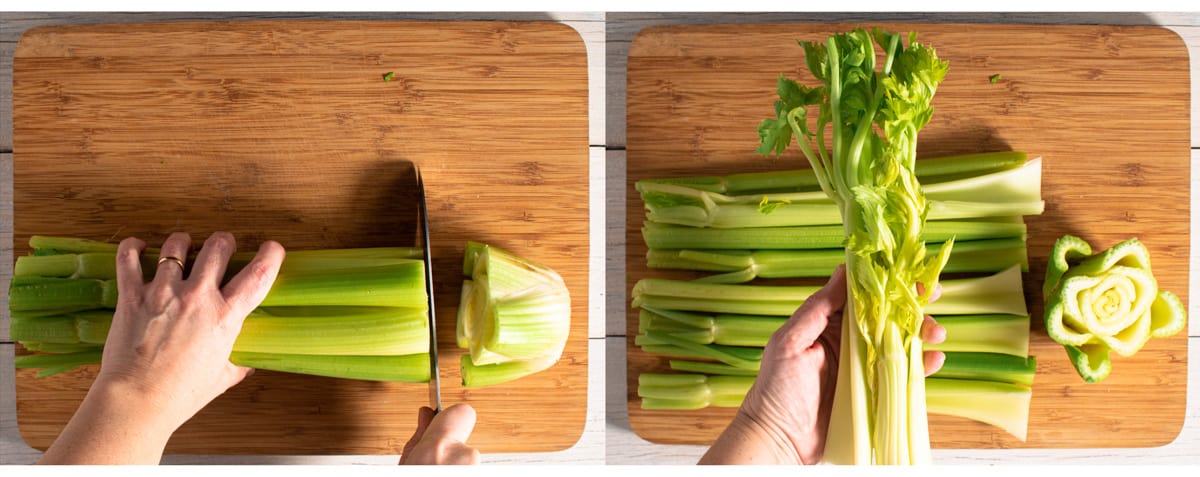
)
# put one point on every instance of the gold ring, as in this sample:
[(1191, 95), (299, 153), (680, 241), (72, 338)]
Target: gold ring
[(171, 259)]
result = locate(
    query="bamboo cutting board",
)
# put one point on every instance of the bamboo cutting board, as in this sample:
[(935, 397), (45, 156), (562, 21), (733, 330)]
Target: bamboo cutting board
[(1107, 109), (288, 131)]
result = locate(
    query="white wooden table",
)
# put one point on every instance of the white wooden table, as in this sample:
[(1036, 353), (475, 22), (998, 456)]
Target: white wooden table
[(625, 447), (590, 447)]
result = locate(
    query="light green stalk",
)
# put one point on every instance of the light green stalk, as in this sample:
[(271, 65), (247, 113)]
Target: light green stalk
[(1000, 293), (741, 266), (1000, 404), (664, 236), (929, 171), (1012, 192), (410, 368)]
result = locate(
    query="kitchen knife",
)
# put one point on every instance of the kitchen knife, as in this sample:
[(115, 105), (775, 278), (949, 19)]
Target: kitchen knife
[(435, 389)]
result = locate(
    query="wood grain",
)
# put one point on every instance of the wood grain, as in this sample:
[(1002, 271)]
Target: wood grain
[(287, 131), (1115, 141)]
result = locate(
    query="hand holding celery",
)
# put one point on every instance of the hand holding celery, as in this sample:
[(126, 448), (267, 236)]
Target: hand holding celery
[(167, 353), (794, 396), (1109, 301), (348, 313)]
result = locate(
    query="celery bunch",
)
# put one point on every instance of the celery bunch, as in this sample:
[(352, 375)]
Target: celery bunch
[(715, 333), (865, 203), (347, 313), (879, 412)]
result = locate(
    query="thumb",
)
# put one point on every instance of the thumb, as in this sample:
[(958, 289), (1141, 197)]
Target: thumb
[(454, 423), (424, 417), (810, 320)]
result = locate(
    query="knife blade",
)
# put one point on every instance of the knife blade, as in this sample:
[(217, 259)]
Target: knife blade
[(435, 388)]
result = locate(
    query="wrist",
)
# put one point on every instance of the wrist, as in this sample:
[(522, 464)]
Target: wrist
[(135, 405), (750, 441), (113, 425)]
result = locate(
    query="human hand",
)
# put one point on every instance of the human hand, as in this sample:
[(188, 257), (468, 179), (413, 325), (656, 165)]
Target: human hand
[(167, 352), (442, 438), (785, 415), (171, 338)]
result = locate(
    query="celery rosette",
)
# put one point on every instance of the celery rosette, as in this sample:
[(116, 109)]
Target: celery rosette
[(1105, 302)]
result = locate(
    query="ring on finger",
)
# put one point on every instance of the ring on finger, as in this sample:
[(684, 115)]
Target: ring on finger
[(171, 259)]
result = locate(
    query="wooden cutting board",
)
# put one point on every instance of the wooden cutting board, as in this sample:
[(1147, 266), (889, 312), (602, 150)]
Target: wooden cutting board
[(288, 131), (1107, 109)]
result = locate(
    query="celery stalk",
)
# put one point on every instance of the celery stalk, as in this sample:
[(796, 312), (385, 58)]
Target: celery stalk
[(1000, 293), (929, 171), (1006, 334), (34, 294), (664, 236), (412, 368), (56, 363), (367, 331), (1003, 405), (704, 367), (742, 265), (988, 367), (400, 283), (692, 391), (999, 404)]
